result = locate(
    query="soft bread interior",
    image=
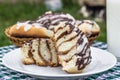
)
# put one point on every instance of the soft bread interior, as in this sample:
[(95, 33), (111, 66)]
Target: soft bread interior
[(43, 52), (67, 56), (67, 46), (36, 52), (54, 60), (65, 38), (27, 57), (70, 66)]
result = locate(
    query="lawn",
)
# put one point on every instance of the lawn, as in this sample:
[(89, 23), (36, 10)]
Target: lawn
[(11, 13)]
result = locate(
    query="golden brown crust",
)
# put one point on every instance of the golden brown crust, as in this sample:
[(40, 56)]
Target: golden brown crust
[(15, 40), (32, 32), (19, 36)]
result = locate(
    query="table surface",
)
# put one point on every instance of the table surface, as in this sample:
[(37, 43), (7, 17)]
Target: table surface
[(8, 74)]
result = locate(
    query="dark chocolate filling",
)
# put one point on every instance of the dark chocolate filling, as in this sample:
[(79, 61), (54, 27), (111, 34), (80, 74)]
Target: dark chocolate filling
[(80, 61), (48, 46)]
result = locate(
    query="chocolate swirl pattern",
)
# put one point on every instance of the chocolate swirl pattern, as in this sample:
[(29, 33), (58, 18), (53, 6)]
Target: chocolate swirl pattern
[(74, 53), (54, 18), (89, 27), (42, 50)]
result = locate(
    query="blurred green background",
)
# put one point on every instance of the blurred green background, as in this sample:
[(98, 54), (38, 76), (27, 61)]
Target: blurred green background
[(10, 13)]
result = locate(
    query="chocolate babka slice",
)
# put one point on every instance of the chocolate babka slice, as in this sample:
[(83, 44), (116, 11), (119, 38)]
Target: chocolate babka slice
[(73, 48), (42, 51)]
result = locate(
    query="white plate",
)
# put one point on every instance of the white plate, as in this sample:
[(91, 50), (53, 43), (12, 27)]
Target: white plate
[(101, 61)]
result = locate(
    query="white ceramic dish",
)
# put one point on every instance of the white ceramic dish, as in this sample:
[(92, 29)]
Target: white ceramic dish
[(101, 61)]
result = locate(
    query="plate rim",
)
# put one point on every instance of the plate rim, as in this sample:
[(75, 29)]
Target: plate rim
[(69, 75)]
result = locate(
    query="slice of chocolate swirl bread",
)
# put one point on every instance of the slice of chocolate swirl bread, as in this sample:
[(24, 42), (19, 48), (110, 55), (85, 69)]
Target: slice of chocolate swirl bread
[(73, 48), (40, 51)]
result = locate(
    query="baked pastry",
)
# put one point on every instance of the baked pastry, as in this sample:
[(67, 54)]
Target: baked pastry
[(27, 30), (69, 47), (40, 51), (90, 28), (16, 40), (50, 18), (73, 48)]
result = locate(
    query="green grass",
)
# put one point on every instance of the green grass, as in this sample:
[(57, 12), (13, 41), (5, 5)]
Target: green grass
[(11, 13)]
